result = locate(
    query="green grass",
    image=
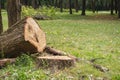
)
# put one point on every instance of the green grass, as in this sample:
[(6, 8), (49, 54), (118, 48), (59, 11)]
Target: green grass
[(86, 37)]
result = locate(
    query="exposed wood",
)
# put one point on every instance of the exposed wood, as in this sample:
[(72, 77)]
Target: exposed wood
[(4, 62), (13, 11), (25, 36), (55, 62)]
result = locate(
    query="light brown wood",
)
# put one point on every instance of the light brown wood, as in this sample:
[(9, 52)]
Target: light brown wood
[(56, 62), (25, 36)]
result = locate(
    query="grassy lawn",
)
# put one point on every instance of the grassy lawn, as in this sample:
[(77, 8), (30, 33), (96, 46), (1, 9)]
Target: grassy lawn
[(86, 37)]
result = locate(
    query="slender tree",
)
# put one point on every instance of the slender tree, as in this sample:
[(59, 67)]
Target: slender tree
[(56, 3), (35, 4), (93, 6), (112, 7), (118, 9), (83, 7), (76, 5), (61, 5), (1, 26), (70, 6), (14, 11), (116, 6)]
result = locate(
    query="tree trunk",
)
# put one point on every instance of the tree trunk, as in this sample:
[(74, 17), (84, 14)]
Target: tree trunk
[(70, 6), (93, 6), (25, 36), (35, 4), (118, 9), (1, 25), (112, 7), (76, 5), (61, 5), (83, 7), (14, 11), (56, 3), (116, 6)]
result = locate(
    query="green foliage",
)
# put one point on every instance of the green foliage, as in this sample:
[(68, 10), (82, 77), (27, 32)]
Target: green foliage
[(28, 11), (24, 60), (48, 11), (45, 11), (116, 77)]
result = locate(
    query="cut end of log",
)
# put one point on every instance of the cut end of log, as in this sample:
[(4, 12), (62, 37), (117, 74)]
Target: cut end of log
[(25, 36), (34, 34), (55, 62)]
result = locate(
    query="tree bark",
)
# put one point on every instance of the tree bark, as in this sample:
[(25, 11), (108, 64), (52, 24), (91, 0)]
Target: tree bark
[(1, 25), (14, 11), (25, 36), (83, 7), (70, 6)]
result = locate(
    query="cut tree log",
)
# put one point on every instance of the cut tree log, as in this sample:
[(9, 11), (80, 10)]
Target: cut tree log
[(25, 36), (55, 62)]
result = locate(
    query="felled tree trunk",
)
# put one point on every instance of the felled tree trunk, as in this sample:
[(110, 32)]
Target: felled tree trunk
[(25, 36)]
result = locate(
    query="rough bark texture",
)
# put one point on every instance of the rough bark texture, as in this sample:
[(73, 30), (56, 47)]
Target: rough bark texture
[(25, 36), (83, 7), (55, 62), (1, 26), (14, 11)]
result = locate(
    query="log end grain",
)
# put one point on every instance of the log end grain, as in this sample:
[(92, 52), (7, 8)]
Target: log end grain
[(55, 62)]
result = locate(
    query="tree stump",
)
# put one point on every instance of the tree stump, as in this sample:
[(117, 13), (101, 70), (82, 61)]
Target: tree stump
[(55, 62), (25, 36)]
